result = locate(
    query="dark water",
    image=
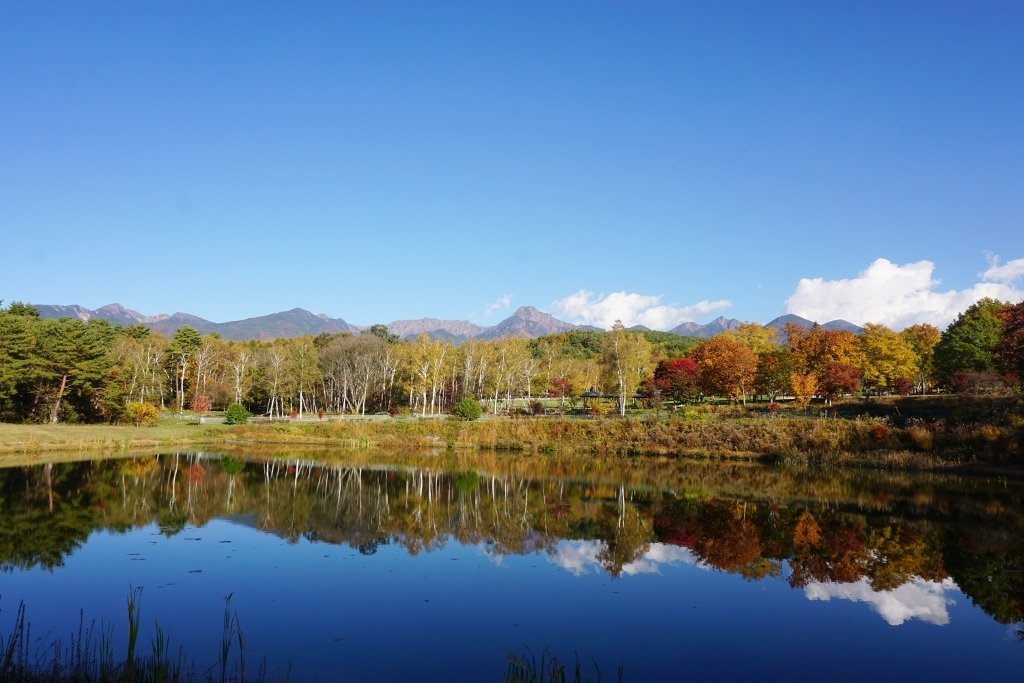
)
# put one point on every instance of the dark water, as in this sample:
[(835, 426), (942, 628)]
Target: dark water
[(435, 570)]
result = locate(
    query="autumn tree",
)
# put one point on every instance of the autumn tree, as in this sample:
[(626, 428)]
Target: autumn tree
[(141, 359), (351, 371), (240, 358), (726, 367), (1009, 352), (301, 373), (142, 414), (774, 368), (201, 405), (811, 350), (210, 361), (626, 359), (922, 338), (804, 386), (677, 378), (270, 370), (425, 365), (757, 338), (887, 357), (560, 388), (837, 379)]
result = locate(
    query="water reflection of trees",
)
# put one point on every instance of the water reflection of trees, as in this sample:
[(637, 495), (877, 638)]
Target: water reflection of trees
[(756, 523)]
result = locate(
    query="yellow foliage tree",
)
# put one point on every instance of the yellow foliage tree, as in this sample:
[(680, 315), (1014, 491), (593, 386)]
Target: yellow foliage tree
[(804, 387), (922, 338), (887, 357), (757, 338)]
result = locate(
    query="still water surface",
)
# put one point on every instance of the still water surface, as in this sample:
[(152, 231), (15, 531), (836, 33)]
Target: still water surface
[(432, 569)]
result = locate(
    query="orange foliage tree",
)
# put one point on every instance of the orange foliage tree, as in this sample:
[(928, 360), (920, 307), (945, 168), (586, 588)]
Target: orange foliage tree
[(725, 367)]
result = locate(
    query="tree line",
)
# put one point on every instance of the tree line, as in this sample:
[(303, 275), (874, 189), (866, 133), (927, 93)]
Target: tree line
[(67, 370)]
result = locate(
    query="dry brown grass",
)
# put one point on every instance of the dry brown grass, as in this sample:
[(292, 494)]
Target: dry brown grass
[(868, 441)]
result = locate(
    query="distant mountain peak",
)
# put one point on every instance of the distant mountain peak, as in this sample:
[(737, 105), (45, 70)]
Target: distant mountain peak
[(716, 326), (779, 325), (528, 322)]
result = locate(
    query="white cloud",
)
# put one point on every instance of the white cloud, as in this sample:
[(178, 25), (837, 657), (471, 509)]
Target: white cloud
[(580, 557), (602, 310), (917, 599), (659, 555), (1007, 272), (898, 295), (502, 303)]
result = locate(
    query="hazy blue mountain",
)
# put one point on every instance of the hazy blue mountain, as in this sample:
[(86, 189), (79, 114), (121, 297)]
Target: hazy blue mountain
[(716, 326), (779, 325), (841, 324), (293, 323), (527, 322), (435, 328)]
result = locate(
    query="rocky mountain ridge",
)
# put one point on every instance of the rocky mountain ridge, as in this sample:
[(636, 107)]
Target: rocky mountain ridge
[(527, 322)]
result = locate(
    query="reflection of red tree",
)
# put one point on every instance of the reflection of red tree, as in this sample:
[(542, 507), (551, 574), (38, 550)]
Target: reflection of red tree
[(670, 526), (195, 473), (558, 509), (840, 554), (730, 540)]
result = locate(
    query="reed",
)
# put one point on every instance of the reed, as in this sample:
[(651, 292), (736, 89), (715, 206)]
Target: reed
[(90, 656), (524, 668)]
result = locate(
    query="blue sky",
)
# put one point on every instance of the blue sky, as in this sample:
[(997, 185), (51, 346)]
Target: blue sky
[(649, 161)]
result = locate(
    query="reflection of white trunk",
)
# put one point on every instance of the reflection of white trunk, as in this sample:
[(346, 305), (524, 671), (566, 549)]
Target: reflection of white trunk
[(622, 506)]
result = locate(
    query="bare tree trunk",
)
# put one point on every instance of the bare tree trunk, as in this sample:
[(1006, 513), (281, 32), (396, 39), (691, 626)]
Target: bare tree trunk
[(55, 408)]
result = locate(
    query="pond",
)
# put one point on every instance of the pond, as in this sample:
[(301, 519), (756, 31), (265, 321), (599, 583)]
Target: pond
[(375, 566)]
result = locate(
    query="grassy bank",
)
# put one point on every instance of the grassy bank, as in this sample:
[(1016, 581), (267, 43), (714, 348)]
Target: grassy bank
[(791, 438), (962, 435), (20, 438)]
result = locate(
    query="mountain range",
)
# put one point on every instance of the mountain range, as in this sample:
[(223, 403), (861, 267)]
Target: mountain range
[(527, 322)]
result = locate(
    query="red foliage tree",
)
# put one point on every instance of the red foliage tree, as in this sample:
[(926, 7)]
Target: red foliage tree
[(903, 385), (837, 379), (676, 378), (201, 404), (1010, 350), (561, 388)]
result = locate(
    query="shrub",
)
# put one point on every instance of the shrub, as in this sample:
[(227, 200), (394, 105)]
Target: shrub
[(201, 404), (468, 409), (236, 414), (879, 432), (903, 385), (536, 407), (142, 414), (920, 436)]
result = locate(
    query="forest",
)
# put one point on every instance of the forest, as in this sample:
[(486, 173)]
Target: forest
[(67, 370)]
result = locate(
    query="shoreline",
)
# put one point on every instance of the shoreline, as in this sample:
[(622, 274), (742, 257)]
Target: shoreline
[(860, 442)]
